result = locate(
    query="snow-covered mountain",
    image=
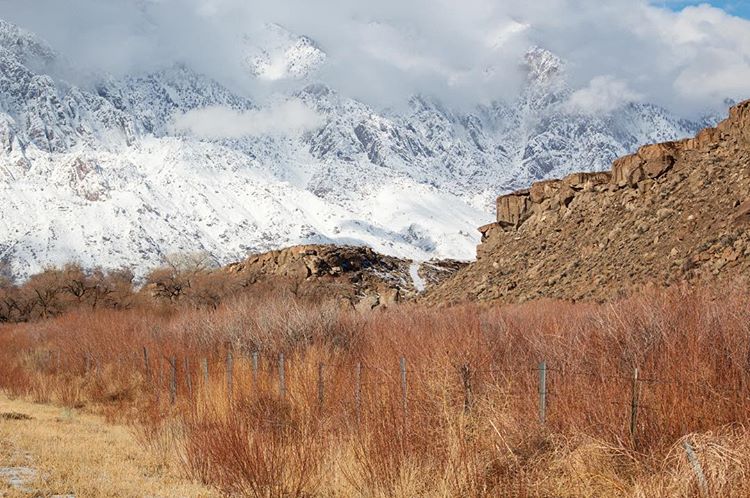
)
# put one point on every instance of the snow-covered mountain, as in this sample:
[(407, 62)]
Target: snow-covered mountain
[(97, 174), (276, 54)]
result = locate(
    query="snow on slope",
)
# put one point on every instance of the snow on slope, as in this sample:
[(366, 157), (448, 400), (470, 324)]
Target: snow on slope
[(95, 174)]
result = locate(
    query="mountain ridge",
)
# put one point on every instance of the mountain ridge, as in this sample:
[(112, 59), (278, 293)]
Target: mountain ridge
[(96, 175)]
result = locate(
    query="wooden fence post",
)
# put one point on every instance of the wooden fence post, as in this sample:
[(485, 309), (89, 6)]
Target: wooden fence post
[(204, 368), (172, 380), (404, 391), (188, 377), (320, 385), (543, 392), (697, 469), (634, 405), (282, 377), (358, 391), (466, 381), (230, 375)]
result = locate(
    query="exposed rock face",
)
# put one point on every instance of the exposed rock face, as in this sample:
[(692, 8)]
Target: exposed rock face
[(513, 209), (651, 161), (672, 212), (357, 275)]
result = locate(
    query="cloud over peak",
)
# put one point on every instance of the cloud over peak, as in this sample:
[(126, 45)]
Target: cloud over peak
[(217, 122), (382, 52)]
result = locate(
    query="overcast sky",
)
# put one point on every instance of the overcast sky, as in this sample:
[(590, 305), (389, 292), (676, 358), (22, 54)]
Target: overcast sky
[(684, 56)]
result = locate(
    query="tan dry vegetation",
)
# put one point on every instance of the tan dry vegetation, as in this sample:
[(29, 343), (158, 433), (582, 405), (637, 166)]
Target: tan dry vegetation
[(692, 348), (65, 451)]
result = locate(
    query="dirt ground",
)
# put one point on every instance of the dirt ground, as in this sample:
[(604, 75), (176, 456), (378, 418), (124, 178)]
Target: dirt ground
[(59, 452)]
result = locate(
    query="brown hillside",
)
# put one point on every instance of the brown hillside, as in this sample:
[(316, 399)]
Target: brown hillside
[(672, 212)]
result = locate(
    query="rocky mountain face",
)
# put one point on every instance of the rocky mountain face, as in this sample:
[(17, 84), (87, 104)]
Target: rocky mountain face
[(95, 173), (673, 212)]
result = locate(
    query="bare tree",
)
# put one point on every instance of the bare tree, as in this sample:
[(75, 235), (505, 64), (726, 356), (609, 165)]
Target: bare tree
[(182, 271), (6, 273), (191, 262), (75, 282), (112, 289), (46, 291)]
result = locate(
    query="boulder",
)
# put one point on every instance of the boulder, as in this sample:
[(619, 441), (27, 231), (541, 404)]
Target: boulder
[(627, 171), (739, 118), (651, 161), (658, 166), (513, 209), (541, 191), (565, 195), (708, 137), (659, 158), (580, 181), (488, 229), (742, 213)]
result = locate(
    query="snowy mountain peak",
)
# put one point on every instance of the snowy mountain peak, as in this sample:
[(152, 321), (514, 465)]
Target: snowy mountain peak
[(278, 54), (543, 66), (98, 175), (26, 47)]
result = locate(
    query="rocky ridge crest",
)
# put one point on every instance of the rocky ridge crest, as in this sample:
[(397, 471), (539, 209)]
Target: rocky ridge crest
[(671, 212)]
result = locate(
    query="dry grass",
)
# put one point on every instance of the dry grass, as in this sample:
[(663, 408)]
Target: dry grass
[(67, 452), (470, 424)]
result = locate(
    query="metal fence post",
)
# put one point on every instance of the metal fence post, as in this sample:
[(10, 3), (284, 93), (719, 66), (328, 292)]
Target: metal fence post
[(146, 366), (466, 381), (543, 392), (358, 391), (320, 385), (230, 375), (188, 377), (404, 387), (634, 405), (172, 380), (255, 369)]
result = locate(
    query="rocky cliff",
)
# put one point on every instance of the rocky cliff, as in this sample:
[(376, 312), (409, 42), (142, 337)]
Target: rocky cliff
[(671, 212)]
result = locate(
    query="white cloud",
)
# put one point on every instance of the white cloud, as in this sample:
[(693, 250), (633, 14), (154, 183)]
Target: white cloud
[(602, 95), (463, 51), (217, 122)]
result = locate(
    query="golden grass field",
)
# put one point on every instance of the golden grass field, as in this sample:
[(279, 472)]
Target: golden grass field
[(66, 451)]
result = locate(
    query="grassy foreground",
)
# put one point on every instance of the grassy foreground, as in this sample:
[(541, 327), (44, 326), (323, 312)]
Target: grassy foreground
[(458, 416), (47, 450)]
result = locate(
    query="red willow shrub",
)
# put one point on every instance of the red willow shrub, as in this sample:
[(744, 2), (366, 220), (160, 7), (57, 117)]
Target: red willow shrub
[(465, 422)]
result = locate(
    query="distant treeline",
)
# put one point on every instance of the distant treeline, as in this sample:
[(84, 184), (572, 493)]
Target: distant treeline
[(186, 280)]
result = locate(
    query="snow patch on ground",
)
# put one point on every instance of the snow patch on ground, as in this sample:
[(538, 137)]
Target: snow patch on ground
[(418, 281)]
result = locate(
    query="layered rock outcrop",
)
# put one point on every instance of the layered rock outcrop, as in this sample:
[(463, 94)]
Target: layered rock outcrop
[(671, 212)]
